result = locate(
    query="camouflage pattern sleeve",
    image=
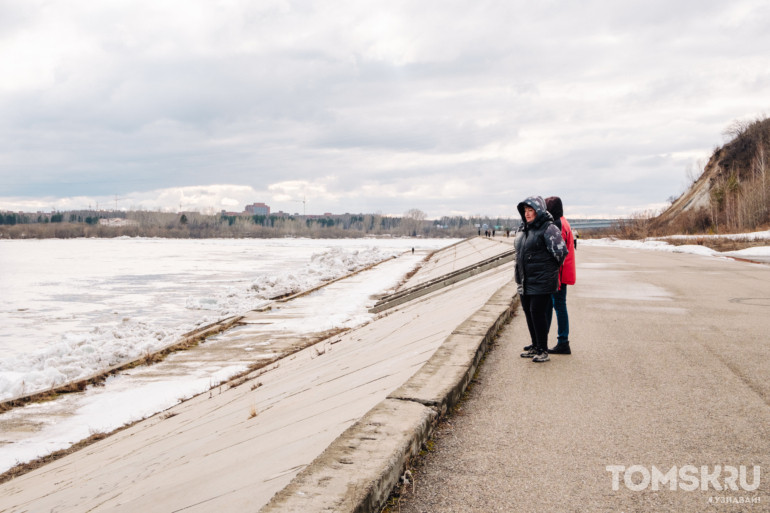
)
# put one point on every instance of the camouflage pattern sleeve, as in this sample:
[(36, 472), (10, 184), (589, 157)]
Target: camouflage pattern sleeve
[(555, 243)]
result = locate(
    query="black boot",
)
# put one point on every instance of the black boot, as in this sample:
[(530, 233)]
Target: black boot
[(561, 348)]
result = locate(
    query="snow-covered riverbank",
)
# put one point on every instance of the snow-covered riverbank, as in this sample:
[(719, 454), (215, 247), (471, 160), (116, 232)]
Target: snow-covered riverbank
[(760, 253), (74, 307), (41, 428)]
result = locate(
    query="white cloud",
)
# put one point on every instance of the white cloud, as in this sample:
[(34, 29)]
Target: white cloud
[(229, 202), (370, 105)]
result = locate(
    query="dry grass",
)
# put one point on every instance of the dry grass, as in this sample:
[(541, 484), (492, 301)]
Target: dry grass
[(150, 357), (188, 341), (718, 243), (238, 382), (24, 468)]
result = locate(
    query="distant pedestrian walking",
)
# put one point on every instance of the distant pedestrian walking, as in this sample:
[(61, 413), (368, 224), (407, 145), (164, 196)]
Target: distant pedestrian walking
[(540, 251), (567, 276)]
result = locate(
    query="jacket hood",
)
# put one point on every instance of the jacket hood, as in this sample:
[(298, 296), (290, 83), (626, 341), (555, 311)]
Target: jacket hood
[(554, 206), (538, 204)]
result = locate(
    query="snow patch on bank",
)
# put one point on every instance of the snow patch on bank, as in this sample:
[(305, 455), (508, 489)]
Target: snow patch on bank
[(656, 245), (695, 249), (753, 236), (79, 355), (323, 267)]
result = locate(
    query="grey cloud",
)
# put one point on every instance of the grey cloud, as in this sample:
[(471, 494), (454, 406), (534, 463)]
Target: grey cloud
[(264, 93)]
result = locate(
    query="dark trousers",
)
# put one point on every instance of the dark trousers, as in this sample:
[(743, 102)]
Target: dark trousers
[(537, 310)]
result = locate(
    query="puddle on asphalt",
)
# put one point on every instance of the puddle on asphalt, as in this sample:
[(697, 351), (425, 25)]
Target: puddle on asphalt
[(612, 284)]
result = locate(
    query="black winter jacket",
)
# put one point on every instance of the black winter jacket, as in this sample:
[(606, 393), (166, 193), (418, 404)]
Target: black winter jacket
[(540, 251)]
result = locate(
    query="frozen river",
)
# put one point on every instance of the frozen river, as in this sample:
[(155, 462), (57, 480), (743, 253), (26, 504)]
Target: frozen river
[(72, 307)]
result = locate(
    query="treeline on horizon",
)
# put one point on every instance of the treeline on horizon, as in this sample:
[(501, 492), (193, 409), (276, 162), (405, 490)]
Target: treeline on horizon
[(87, 223)]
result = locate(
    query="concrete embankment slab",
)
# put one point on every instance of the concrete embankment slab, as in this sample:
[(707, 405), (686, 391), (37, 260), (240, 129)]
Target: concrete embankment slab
[(406, 295), (442, 380), (358, 471), (457, 256)]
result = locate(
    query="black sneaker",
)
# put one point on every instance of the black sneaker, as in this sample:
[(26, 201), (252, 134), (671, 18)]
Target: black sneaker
[(542, 357), (528, 348), (561, 348), (530, 353)]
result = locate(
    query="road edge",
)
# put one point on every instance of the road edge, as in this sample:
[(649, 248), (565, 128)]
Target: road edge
[(357, 472)]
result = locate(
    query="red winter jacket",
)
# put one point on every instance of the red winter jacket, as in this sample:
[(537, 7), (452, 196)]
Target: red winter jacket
[(567, 274)]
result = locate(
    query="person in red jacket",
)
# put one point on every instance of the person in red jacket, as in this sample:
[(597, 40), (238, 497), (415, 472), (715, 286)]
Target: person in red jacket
[(567, 276)]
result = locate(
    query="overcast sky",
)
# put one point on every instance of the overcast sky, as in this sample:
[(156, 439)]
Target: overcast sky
[(452, 107)]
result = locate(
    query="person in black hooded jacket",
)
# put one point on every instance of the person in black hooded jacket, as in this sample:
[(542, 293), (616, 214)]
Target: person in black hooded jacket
[(540, 251)]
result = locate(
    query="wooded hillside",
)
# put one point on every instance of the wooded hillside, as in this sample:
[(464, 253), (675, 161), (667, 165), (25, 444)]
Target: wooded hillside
[(733, 192)]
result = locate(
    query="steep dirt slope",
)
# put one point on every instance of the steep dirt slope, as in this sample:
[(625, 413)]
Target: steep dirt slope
[(733, 189)]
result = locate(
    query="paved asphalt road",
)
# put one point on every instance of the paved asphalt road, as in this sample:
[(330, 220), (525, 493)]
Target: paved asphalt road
[(670, 368)]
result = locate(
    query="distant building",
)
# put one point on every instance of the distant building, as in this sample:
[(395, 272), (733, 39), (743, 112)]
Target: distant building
[(118, 221), (258, 209)]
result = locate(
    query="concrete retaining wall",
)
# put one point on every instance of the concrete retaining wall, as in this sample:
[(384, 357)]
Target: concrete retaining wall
[(357, 472)]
